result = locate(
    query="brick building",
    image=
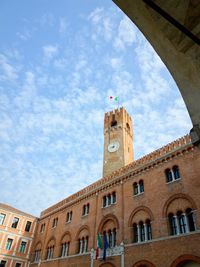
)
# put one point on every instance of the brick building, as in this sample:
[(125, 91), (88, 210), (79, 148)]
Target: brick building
[(16, 236), (149, 209)]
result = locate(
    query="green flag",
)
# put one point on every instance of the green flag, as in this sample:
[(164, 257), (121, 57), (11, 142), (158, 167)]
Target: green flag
[(99, 242)]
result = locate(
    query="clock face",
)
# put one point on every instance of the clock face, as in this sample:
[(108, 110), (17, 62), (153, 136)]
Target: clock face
[(112, 147)]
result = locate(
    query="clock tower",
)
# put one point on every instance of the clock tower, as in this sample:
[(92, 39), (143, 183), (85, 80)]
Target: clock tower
[(118, 140)]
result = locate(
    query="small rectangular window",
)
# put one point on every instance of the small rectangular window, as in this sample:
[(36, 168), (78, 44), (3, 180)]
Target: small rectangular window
[(42, 228), (9, 243), (22, 247), (55, 222), (2, 218), (15, 222), (28, 226), (18, 264)]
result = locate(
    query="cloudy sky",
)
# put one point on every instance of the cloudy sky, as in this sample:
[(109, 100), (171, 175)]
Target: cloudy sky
[(59, 63)]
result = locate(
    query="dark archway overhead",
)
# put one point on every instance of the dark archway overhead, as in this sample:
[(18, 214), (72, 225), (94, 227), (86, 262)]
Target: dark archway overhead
[(172, 28)]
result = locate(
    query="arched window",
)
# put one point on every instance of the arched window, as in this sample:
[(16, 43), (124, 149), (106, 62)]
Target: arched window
[(182, 222), (142, 231), (109, 238), (172, 224), (104, 201), (50, 251), (109, 199), (135, 188), (148, 225), (135, 233), (83, 245), (141, 186), (190, 218), (84, 210), (113, 197), (114, 237), (65, 249), (113, 123), (128, 127), (176, 172), (168, 175), (69, 217), (86, 244), (37, 255), (88, 208)]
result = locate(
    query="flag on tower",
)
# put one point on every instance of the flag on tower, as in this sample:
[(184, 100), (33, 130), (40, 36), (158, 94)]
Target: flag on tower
[(99, 245), (114, 98)]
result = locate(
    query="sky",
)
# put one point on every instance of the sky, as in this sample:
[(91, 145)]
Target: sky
[(59, 63)]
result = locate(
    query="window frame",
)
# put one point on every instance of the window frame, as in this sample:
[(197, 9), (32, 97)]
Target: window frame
[(2, 218), (28, 226), (9, 244), (22, 249), (15, 222)]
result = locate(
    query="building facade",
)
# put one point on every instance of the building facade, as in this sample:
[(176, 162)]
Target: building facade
[(149, 210), (16, 236)]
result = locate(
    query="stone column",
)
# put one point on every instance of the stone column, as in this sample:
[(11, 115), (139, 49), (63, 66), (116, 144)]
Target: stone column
[(66, 250), (145, 232), (139, 233), (92, 257), (122, 254), (186, 223), (173, 176)]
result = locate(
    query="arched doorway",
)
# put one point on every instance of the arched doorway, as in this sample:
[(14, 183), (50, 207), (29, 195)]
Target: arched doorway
[(143, 263), (186, 261), (107, 264)]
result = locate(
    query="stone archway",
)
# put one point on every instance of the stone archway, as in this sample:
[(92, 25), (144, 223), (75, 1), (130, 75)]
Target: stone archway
[(169, 26)]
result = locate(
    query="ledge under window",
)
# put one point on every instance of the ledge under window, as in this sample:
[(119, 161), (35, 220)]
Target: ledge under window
[(139, 194), (175, 180), (103, 207)]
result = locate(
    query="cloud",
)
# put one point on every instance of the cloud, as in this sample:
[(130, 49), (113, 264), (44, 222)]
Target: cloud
[(102, 24), (96, 15), (127, 34), (50, 51), (8, 71), (116, 63), (63, 25), (24, 36)]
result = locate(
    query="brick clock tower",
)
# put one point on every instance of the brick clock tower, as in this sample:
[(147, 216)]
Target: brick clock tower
[(118, 140)]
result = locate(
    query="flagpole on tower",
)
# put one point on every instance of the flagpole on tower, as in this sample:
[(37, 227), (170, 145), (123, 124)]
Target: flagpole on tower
[(115, 99)]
